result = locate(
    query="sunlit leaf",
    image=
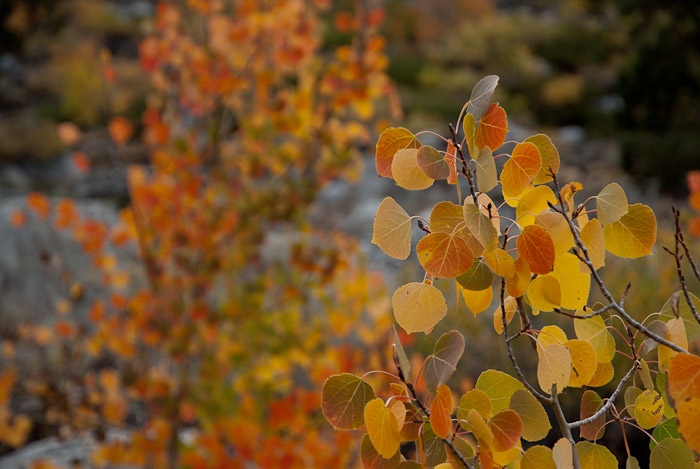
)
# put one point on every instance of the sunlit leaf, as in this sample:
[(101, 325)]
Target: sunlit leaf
[(538, 457), (522, 167), (545, 293), (584, 362), (536, 247), (382, 427), (532, 203), (594, 240), (499, 387), (474, 399), (486, 175), (469, 127), (392, 229), (563, 454), (536, 423), (477, 301), (440, 410), (593, 456), (611, 204), (671, 453), (390, 141), (406, 172), (443, 362), (500, 262), (554, 367), (550, 157), (432, 163), (575, 285), (633, 235), (371, 459), (591, 402), (518, 284), (594, 331), (492, 129), (550, 335), (481, 96), (418, 306), (506, 428), (478, 277), (343, 400)]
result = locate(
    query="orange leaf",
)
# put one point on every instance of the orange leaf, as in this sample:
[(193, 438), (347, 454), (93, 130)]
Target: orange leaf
[(500, 262), (81, 161), (18, 219), (537, 248), (518, 284), (506, 427), (440, 410), (39, 204), (120, 130), (492, 129), (684, 377), (390, 141), (522, 167), (444, 255)]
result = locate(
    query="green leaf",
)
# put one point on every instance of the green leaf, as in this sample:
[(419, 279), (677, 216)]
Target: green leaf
[(404, 363), (371, 459), (666, 429), (592, 456), (499, 386), (433, 447), (538, 457), (671, 453), (478, 277), (343, 400), (443, 362), (536, 423)]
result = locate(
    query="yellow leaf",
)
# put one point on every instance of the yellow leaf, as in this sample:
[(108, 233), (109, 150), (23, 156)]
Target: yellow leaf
[(476, 424), (532, 203), (633, 235), (594, 240), (550, 335), (592, 456), (499, 386), (554, 367), (545, 293), (474, 399), (538, 457), (675, 333), (594, 331), (399, 410), (418, 306), (563, 454), (511, 306), (611, 203), (518, 284), (558, 229), (500, 262), (649, 409), (536, 423), (575, 285), (382, 427), (584, 362), (604, 373), (392, 229), (689, 423), (406, 172), (477, 301)]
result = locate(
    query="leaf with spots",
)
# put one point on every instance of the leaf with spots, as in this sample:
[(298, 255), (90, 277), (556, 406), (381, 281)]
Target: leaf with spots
[(554, 367)]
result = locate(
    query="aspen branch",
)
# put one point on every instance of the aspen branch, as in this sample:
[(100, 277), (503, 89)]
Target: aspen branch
[(565, 427)]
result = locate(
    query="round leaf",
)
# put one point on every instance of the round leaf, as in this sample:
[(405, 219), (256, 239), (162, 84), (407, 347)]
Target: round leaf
[(545, 293), (477, 278), (554, 367), (592, 456), (536, 423), (477, 301), (390, 141), (382, 427), (522, 167), (671, 453), (343, 399), (432, 163), (500, 262), (537, 248), (418, 306), (506, 428), (688, 421), (444, 255), (371, 459), (499, 386), (590, 404), (550, 157), (584, 362), (474, 399), (492, 128), (532, 203), (633, 235), (406, 172), (481, 96), (392, 229), (538, 457), (594, 331), (611, 203)]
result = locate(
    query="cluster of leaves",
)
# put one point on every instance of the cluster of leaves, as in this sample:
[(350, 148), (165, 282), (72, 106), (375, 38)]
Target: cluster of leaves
[(198, 355), (543, 259)]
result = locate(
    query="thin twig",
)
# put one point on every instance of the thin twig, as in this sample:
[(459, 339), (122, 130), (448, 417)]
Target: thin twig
[(687, 252), (466, 170), (595, 313), (610, 401), (677, 256)]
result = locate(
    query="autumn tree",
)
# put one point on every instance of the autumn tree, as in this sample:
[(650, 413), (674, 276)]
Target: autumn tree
[(211, 354), (535, 255)]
